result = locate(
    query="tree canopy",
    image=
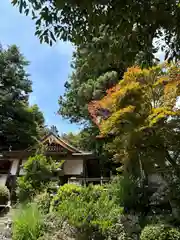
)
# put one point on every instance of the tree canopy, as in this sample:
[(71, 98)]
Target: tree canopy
[(135, 23), (21, 124), (94, 70), (141, 115)]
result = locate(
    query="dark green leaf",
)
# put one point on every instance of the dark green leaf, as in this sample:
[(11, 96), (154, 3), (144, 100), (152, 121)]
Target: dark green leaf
[(52, 36), (14, 2), (26, 12)]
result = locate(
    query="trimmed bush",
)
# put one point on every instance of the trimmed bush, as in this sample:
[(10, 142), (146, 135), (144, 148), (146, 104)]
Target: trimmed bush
[(68, 190), (65, 192), (160, 232), (4, 195), (27, 223)]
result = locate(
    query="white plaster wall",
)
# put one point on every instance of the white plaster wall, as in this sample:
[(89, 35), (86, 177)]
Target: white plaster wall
[(14, 166), (3, 179), (73, 167)]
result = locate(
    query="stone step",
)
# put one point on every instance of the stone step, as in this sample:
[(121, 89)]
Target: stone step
[(5, 219)]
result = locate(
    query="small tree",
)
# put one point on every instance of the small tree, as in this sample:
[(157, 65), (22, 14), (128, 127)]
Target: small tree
[(38, 172)]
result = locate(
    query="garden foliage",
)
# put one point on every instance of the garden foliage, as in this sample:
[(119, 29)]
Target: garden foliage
[(141, 116), (90, 209), (160, 232), (27, 223), (4, 195), (39, 170), (43, 201)]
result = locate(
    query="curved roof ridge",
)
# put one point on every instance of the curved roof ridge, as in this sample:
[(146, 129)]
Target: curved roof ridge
[(63, 143), (70, 145)]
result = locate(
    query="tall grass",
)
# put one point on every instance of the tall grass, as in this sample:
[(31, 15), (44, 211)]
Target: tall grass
[(27, 222)]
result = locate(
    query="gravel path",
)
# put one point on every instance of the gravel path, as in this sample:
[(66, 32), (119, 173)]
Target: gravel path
[(5, 225)]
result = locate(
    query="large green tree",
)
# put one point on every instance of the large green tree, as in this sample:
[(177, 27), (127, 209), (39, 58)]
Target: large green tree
[(135, 23), (93, 73), (20, 124), (96, 67)]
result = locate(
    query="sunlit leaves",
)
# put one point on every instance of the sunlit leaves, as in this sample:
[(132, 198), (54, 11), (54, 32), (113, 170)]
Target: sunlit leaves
[(142, 115), (118, 118)]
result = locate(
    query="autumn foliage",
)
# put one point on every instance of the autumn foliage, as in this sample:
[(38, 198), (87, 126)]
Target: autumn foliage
[(157, 87), (142, 113)]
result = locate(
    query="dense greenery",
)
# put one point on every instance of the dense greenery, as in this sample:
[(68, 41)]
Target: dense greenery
[(38, 172), (4, 195), (90, 79), (27, 223), (140, 119), (43, 201), (21, 124), (161, 232), (93, 210), (118, 210)]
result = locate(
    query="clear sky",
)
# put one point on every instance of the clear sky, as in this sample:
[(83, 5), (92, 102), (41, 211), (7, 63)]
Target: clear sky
[(49, 66)]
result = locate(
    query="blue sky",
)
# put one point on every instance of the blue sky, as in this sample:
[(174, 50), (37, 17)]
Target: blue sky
[(49, 66)]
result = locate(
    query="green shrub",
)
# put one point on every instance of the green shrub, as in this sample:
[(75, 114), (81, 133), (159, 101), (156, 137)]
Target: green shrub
[(4, 195), (89, 209), (52, 186), (27, 223), (160, 232), (24, 189), (43, 202), (56, 229), (68, 190), (124, 190), (65, 192), (38, 171)]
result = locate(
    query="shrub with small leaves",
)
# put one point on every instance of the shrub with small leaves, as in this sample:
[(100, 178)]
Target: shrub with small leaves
[(66, 191), (4, 195), (57, 229), (43, 201), (52, 224), (160, 232), (89, 209)]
